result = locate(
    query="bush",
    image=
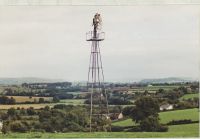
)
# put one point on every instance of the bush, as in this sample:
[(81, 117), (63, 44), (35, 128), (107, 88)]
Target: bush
[(135, 129), (41, 100), (18, 127), (163, 128), (63, 106), (47, 127), (5, 129), (56, 99), (177, 122), (119, 101), (31, 111), (12, 111), (151, 124), (38, 130), (73, 127), (22, 111), (7, 100), (127, 111), (4, 116), (116, 128), (184, 105)]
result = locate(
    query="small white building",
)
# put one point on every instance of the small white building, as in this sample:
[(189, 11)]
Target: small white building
[(149, 85), (120, 116), (166, 107)]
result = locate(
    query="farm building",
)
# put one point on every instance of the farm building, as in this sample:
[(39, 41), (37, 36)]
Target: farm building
[(166, 107), (120, 116), (116, 116)]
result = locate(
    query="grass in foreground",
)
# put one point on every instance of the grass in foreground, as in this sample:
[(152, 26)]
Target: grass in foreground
[(187, 130)]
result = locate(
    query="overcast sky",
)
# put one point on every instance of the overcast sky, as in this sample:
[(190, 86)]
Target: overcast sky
[(141, 41)]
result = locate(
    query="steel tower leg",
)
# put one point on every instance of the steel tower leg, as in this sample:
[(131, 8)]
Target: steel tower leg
[(95, 73)]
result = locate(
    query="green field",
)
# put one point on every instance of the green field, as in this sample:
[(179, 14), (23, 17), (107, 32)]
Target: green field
[(127, 122), (72, 101), (185, 128), (153, 88), (167, 116), (192, 114), (188, 96), (188, 130), (38, 106)]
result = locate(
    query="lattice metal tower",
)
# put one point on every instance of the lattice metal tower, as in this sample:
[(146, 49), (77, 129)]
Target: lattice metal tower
[(98, 97)]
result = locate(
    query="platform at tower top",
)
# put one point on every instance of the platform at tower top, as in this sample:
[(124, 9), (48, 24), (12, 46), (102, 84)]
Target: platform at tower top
[(90, 36)]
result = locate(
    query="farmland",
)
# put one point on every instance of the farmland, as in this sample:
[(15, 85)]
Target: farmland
[(165, 117), (189, 96), (74, 100), (25, 106), (38, 106), (188, 130), (21, 99), (192, 114), (153, 88)]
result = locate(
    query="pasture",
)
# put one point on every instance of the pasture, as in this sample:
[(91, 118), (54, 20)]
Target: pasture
[(192, 114)]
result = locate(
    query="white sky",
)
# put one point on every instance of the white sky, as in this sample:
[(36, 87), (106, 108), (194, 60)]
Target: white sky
[(141, 41)]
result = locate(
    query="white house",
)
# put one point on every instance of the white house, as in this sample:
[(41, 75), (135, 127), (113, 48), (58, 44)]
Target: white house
[(166, 107)]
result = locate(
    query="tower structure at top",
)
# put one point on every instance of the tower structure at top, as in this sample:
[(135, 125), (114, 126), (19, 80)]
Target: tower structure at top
[(99, 112)]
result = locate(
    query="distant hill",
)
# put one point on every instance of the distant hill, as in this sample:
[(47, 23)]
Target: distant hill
[(167, 80), (17, 81)]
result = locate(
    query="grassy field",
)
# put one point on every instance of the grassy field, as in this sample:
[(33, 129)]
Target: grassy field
[(38, 106), (25, 106), (127, 122), (20, 99), (188, 130), (192, 114), (167, 116), (185, 128), (188, 96), (153, 88), (72, 101)]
